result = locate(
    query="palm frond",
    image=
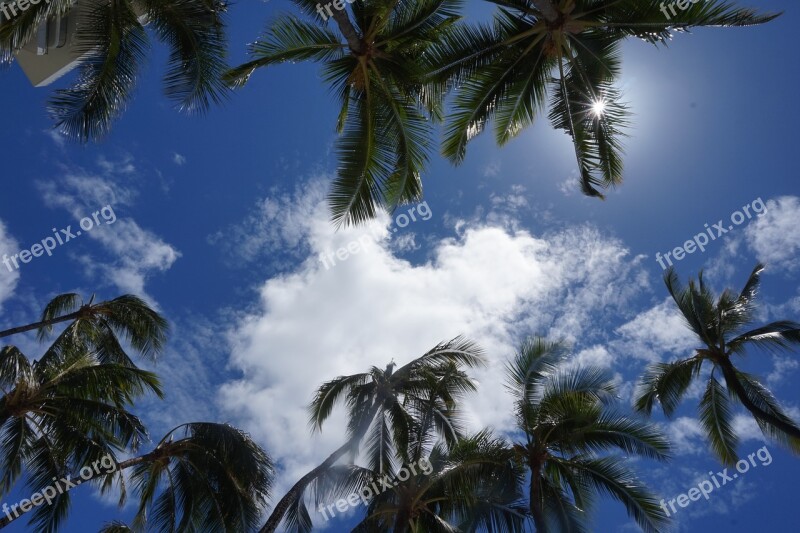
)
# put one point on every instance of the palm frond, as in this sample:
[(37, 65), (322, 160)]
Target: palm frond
[(764, 400), (117, 44), (666, 383), (195, 33), (716, 417), (288, 39), (610, 476)]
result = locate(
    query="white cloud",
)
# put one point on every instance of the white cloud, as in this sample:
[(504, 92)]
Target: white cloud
[(137, 252), (123, 167), (492, 170), (281, 221), (178, 159), (488, 282), (686, 436), (782, 366), (657, 332), (8, 279), (57, 137), (596, 355), (745, 427), (774, 236), (570, 186), (513, 201)]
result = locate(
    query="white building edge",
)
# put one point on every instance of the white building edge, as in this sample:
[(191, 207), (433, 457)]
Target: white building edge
[(53, 52)]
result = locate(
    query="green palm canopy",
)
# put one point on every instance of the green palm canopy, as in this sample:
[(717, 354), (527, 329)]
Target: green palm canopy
[(567, 51), (724, 329), (376, 65), (472, 485), (201, 477), (571, 441), (112, 44)]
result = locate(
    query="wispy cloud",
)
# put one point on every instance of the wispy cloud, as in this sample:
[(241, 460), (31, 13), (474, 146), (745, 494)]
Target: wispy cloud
[(8, 280), (136, 252), (774, 236)]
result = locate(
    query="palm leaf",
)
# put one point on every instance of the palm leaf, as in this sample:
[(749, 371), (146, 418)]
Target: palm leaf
[(716, 418), (195, 33), (116, 43), (666, 383)]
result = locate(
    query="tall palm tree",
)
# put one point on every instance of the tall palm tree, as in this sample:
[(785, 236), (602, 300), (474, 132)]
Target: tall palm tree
[(571, 49), (471, 486), (112, 44), (568, 429), (383, 407), (376, 65), (724, 328)]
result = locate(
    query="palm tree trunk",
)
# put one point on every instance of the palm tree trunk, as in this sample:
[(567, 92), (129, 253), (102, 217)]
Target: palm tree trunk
[(733, 383), (349, 31), (547, 8), (298, 488), (401, 520), (535, 497), (36, 325)]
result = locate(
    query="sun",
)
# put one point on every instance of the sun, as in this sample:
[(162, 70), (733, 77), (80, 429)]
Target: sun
[(598, 107)]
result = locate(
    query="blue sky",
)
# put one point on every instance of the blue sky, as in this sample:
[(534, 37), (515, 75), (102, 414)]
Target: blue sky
[(220, 221)]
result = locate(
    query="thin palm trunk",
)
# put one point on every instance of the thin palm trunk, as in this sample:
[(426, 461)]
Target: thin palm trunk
[(733, 383), (298, 488), (536, 500), (36, 325), (548, 10), (401, 521), (349, 31), (152, 456)]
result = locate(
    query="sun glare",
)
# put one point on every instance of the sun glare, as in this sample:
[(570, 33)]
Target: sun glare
[(598, 107)]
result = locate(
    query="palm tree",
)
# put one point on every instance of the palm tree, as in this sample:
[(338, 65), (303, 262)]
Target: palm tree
[(213, 477), (470, 486), (375, 65), (112, 44), (570, 48), (563, 416), (100, 326), (62, 412), (723, 328), (383, 407), (69, 409)]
